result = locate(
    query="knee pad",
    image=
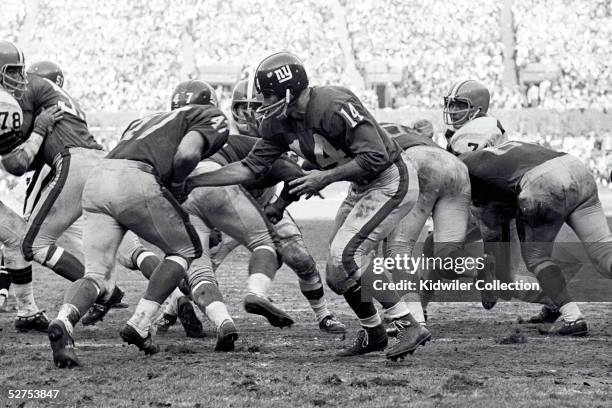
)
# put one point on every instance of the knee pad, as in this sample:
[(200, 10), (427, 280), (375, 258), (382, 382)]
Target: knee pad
[(336, 279), (297, 257)]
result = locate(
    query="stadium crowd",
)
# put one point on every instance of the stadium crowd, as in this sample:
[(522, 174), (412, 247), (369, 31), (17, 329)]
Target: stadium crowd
[(127, 56)]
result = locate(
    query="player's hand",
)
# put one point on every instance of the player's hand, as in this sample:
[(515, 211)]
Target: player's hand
[(309, 184), (46, 120), (273, 213)]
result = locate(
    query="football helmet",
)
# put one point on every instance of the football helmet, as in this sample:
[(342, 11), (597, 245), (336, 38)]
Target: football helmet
[(12, 69), (49, 70), (280, 78), (464, 102), (245, 102), (193, 92)]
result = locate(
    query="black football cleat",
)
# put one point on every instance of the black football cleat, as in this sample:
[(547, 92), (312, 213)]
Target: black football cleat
[(227, 334), (410, 335), (367, 341), (331, 325), (189, 319), (131, 336), (37, 322), (261, 306), (62, 345), (97, 311), (548, 314), (164, 322), (562, 328)]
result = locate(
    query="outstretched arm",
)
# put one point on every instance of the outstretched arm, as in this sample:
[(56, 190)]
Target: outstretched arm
[(233, 173)]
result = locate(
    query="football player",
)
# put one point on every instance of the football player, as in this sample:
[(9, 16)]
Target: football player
[(12, 86), (137, 187), (237, 212), (329, 127), (71, 151), (540, 189), (444, 187)]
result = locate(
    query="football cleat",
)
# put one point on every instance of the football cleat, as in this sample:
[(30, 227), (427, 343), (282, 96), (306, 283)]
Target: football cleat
[(261, 306), (392, 330), (410, 335), (330, 324), (367, 341), (548, 314), (189, 319), (36, 322), (62, 345), (562, 328), (227, 334), (97, 311), (165, 322), (131, 336)]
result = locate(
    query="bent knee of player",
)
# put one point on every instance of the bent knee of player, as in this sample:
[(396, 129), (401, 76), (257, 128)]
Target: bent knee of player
[(337, 279), (297, 257)]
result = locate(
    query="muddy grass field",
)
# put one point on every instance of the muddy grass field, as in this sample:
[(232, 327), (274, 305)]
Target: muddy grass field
[(464, 365)]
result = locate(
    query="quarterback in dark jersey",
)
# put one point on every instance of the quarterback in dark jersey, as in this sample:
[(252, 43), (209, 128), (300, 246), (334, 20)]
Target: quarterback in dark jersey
[(237, 211), (329, 127), (136, 188), (541, 189)]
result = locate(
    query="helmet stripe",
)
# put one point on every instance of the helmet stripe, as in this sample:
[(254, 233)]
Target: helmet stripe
[(455, 89), (250, 85)]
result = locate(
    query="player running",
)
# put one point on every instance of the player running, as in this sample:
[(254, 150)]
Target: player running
[(329, 127), (237, 211), (137, 188)]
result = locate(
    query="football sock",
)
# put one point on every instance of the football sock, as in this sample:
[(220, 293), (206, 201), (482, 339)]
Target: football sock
[(414, 305), (258, 284), (397, 311), (370, 322), (172, 303), (24, 295), (69, 315), (64, 263), (166, 278), (263, 260), (217, 313), (147, 262), (82, 294), (362, 305), (570, 312), (141, 320), (553, 284)]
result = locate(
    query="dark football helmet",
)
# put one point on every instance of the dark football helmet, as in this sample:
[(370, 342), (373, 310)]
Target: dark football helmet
[(464, 102), (49, 70), (12, 69), (281, 77), (193, 92), (245, 102)]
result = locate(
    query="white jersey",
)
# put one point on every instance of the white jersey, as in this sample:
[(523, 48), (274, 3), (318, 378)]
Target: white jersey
[(477, 134), (11, 116)]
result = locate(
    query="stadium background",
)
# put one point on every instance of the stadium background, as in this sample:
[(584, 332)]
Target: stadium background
[(546, 62)]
